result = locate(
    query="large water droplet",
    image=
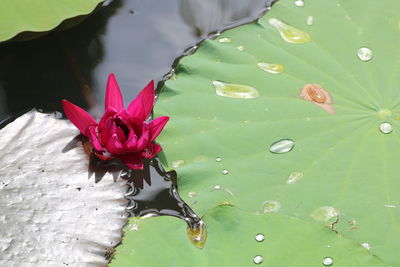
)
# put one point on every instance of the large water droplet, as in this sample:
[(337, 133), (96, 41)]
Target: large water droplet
[(310, 20), (289, 33), (365, 54), (327, 261), (294, 177), (271, 68), (260, 237), (282, 146), (197, 234), (299, 3), (235, 90), (271, 206), (323, 214), (386, 127), (178, 163), (258, 259), (225, 40)]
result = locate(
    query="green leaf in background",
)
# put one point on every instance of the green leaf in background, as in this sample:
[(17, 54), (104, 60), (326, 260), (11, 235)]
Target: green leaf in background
[(297, 114), (39, 15), (238, 238)]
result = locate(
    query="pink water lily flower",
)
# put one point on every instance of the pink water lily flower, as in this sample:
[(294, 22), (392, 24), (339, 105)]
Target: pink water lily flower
[(121, 133)]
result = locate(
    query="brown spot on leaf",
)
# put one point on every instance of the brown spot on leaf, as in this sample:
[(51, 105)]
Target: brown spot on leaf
[(319, 96)]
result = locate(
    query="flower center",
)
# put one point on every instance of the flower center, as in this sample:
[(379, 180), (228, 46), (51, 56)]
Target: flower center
[(119, 123)]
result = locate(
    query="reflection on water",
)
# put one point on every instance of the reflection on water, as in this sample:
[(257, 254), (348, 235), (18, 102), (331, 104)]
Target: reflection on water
[(42, 71), (153, 191), (205, 16), (135, 39)]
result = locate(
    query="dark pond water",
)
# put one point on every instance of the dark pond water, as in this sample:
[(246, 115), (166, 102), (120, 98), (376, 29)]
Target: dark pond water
[(135, 39)]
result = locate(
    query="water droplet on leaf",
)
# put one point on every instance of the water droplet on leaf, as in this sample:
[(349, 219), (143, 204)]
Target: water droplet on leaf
[(197, 234), (271, 206), (271, 68), (217, 187), (218, 159), (240, 47), (258, 259), (386, 127), (289, 33), (299, 3), (294, 177), (366, 246), (390, 206), (282, 146), (365, 54), (310, 20), (327, 261), (225, 171), (192, 194), (260, 237), (323, 214), (178, 163), (225, 40), (235, 90)]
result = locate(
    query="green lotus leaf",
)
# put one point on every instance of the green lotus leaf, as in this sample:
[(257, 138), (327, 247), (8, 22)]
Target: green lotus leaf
[(297, 114), (232, 241), (39, 15)]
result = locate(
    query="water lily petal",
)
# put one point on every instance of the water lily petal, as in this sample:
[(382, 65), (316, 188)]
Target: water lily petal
[(132, 161), (114, 145), (93, 139), (121, 135), (143, 140), (107, 114), (156, 126), (151, 150), (113, 95), (107, 130), (141, 106), (79, 117), (132, 142), (102, 157)]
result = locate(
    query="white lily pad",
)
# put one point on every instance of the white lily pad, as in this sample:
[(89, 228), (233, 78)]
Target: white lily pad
[(51, 213)]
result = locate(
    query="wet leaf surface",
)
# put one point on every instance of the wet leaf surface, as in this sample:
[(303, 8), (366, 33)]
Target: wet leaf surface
[(234, 240), (347, 161)]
